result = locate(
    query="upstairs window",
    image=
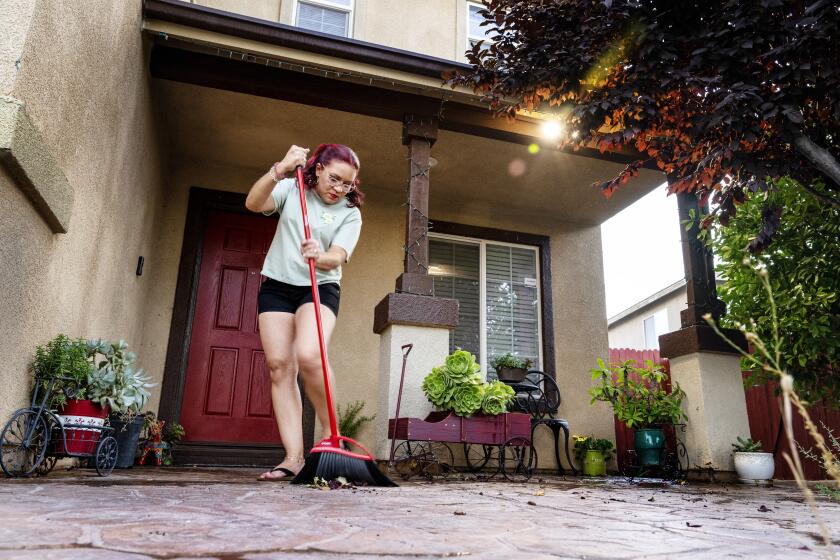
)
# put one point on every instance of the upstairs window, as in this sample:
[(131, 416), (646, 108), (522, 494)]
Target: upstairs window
[(655, 326), (327, 16), (475, 32)]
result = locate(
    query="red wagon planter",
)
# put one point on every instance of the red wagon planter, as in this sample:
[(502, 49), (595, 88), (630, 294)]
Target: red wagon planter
[(492, 444)]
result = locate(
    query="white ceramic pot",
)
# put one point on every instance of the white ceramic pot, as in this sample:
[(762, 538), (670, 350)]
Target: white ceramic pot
[(755, 468)]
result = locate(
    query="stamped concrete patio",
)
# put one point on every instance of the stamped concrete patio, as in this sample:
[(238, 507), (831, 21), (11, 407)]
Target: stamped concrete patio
[(226, 514)]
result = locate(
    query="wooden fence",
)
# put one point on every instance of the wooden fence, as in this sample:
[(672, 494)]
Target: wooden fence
[(763, 411)]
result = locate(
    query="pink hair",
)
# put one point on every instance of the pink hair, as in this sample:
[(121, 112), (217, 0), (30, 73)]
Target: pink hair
[(324, 155)]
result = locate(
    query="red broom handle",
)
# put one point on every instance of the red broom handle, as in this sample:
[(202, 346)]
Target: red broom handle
[(316, 299)]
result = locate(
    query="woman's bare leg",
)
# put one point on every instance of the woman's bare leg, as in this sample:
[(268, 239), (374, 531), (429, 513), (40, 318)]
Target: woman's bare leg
[(277, 333), (309, 358)]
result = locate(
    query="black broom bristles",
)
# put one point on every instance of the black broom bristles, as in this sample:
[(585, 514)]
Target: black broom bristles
[(329, 465)]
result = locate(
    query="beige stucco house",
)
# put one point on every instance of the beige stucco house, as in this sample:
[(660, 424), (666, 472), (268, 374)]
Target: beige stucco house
[(132, 130)]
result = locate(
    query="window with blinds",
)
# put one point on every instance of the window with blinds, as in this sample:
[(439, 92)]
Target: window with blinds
[(331, 17), (455, 268), (497, 287), (475, 32)]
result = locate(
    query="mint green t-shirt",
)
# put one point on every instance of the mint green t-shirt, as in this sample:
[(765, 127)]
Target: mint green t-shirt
[(331, 224)]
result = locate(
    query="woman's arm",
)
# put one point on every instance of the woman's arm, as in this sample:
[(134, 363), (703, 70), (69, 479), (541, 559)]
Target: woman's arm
[(332, 258), (259, 197)]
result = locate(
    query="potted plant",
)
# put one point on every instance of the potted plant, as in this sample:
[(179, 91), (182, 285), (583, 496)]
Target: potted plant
[(752, 464), (351, 420), (510, 368), (113, 382), (593, 454), (172, 434), (457, 386), (158, 438), (640, 399), (63, 363)]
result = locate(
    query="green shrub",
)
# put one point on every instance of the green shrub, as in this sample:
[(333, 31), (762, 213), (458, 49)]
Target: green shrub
[(351, 419), (638, 396), (802, 266), (66, 358)]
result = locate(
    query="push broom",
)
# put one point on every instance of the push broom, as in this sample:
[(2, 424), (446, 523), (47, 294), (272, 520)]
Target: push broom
[(328, 460)]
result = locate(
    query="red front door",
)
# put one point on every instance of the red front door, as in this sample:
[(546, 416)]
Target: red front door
[(227, 396)]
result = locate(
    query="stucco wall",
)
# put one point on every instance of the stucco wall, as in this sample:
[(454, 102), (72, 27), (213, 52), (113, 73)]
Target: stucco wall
[(15, 17), (82, 77), (438, 27)]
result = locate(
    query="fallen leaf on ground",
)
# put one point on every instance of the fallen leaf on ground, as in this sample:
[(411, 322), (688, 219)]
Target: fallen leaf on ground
[(651, 499), (763, 508), (539, 492), (460, 513), (530, 503), (687, 524)]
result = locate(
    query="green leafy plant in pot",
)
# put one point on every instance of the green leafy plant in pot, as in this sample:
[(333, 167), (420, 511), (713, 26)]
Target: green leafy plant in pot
[(593, 454), (63, 363), (113, 382), (61, 367), (640, 399), (351, 420), (510, 368)]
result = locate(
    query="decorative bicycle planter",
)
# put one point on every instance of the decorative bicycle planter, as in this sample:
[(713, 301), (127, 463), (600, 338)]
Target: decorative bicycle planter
[(424, 449), (500, 443), (35, 438)]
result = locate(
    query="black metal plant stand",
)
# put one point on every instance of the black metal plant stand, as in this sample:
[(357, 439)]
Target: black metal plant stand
[(673, 463)]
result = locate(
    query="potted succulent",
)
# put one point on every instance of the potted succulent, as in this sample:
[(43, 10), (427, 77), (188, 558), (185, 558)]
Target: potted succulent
[(640, 399), (63, 363), (510, 368), (593, 454), (113, 382), (457, 386), (752, 464)]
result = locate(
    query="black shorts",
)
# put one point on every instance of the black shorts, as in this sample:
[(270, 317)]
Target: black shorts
[(286, 298)]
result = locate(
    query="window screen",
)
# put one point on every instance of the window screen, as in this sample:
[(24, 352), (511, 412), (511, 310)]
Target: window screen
[(323, 19), (455, 269)]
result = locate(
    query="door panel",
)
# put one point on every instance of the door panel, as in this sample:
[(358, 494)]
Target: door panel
[(227, 396)]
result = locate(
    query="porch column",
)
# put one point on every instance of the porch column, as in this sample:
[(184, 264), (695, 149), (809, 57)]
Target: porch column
[(411, 314), (704, 365), (419, 134)]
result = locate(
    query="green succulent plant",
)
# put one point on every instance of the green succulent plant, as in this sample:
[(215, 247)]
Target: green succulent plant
[(113, 381), (746, 445), (457, 385)]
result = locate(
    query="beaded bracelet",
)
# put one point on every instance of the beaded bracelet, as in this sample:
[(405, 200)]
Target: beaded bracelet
[(273, 173)]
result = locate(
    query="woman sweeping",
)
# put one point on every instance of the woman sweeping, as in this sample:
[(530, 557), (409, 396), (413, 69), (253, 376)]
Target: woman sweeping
[(286, 309)]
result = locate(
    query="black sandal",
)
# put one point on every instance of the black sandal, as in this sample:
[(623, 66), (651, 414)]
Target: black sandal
[(287, 472)]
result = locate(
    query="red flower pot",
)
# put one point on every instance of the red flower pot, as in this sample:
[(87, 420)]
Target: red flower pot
[(80, 440)]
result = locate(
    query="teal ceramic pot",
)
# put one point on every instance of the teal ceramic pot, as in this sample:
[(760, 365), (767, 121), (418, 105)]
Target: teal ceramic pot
[(649, 443)]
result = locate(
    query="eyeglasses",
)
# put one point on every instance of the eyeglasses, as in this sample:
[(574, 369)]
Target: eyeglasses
[(337, 184)]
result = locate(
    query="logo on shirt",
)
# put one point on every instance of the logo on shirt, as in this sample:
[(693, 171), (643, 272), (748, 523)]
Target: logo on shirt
[(327, 218)]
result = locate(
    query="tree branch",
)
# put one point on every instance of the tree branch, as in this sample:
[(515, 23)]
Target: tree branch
[(820, 196), (823, 161)]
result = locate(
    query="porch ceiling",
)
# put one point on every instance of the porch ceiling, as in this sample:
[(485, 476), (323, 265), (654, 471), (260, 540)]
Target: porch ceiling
[(236, 129)]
